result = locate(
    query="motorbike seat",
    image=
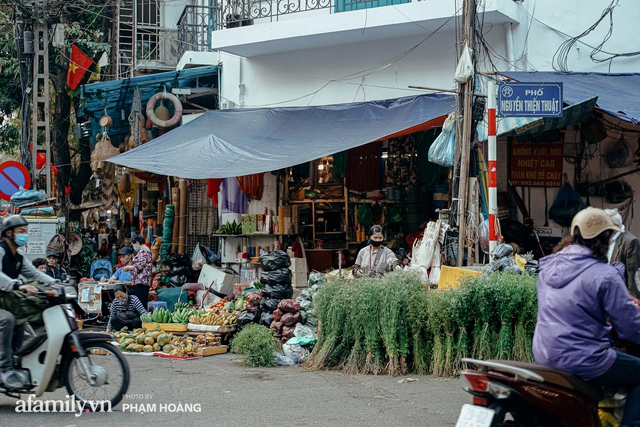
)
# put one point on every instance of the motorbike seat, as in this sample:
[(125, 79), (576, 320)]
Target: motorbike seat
[(560, 378), (31, 345)]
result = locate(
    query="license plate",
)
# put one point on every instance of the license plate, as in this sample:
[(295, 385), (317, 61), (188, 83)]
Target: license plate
[(475, 416)]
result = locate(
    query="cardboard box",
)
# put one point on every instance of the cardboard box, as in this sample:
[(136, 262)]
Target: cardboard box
[(222, 283), (300, 272), (249, 224)]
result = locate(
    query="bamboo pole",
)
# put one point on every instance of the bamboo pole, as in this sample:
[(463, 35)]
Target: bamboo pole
[(182, 228), (175, 199)]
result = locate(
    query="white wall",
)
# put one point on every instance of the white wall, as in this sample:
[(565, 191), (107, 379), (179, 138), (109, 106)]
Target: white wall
[(319, 76)]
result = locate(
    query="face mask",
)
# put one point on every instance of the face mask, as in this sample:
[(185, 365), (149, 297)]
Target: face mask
[(21, 239), (122, 301), (136, 250), (375, 243)]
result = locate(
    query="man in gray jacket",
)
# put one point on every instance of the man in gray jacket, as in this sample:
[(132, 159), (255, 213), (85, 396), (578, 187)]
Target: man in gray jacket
[(15, 232), (625, 249)]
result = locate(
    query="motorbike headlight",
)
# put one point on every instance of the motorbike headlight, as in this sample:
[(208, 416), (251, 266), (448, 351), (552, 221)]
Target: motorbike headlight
[(70, 292)]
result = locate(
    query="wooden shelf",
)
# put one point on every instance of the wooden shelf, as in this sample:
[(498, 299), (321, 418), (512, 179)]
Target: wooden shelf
[(302, 202), (246, 235)]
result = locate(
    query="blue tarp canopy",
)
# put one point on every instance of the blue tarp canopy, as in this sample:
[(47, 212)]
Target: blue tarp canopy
[(617, 94), (228, 143), (114, 97)]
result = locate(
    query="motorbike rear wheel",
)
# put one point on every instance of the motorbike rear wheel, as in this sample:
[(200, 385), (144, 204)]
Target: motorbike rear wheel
[(112, 376)]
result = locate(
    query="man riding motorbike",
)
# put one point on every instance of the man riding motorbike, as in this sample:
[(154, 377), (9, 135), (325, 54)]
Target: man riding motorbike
[(14, 236), (577, 293)]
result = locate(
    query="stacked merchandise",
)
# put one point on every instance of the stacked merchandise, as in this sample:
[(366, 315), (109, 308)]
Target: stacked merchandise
[(276, 286), (307, 309), (276, 283), (285, 318)]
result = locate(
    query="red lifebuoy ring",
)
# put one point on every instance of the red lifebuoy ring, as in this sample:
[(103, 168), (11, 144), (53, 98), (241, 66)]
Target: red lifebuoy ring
[(177, 107)]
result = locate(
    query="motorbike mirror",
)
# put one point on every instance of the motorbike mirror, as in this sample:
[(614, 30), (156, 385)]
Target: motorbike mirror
[(70, 292)]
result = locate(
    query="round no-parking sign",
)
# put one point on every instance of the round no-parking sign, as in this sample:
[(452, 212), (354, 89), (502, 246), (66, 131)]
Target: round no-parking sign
[(13, 175)]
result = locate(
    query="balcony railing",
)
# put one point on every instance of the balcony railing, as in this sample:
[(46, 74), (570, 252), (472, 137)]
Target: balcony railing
[(194, 28), (197, 22)]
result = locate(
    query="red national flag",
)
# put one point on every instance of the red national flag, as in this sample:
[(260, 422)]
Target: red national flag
[(79, 64)]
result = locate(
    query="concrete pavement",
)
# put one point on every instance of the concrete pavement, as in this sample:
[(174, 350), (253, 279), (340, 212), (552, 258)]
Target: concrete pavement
[(228, 394)]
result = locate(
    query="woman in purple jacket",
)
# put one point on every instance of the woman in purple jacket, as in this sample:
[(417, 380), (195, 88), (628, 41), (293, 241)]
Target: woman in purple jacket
[(577, 292)]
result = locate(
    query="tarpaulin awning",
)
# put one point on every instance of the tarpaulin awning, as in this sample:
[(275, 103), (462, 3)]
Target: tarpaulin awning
[(617, 94), (514, 126), (228, 143), (114, 97)]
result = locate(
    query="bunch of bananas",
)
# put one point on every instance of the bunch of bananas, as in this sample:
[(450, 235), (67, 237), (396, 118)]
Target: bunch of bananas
[(184, 347), (230, 228), (216, 318), (208, 340)]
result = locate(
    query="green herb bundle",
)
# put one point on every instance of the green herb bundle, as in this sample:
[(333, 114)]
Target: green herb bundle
[(257, 344)]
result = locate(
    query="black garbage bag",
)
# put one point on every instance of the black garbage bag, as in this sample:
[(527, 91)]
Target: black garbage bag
[(266, 319), (280, 276), (245, 317), (179, 260), (274, 260), (180, 270), (269, 305), (179, 280), (278, 291)]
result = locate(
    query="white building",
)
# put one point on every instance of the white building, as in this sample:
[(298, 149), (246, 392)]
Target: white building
[(278, 53)]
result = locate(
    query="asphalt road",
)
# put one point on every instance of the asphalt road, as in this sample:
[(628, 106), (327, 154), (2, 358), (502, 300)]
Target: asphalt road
[(231, 395)]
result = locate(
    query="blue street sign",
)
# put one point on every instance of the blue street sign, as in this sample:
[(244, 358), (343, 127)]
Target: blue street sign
[(517, 99)]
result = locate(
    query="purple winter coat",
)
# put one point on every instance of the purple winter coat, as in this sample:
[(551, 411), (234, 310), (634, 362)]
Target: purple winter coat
[(576, 293)]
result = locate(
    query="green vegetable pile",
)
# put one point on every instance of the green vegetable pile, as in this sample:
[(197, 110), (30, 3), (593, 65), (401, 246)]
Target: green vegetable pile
[(393, 325), (257, 344)]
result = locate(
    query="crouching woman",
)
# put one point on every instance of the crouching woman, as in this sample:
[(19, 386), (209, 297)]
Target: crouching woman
[(125, 310)]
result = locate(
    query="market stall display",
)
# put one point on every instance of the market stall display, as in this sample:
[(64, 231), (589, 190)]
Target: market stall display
[(161, 343)]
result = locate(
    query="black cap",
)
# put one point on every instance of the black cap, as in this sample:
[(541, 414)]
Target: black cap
[(126, 250), (55, 254)]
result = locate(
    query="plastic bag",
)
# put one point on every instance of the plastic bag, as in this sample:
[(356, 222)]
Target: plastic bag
[(293, 351), (245, 317), (269, 305), (503, 250), (201, 256), (24, 197), (289, 305), (442, 150), (315, 279), (278, 291), (464, 70), (287, 332), (280, 276), (619, 155), (276, 327), (282, 360), (303, 331), (274, 260), (483, 236), (253, 298), (178, 281), (291, 319), (266, 319), (277, 315), (565, 206)]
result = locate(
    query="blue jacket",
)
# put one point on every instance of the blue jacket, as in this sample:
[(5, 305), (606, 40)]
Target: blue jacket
[(576, 294)]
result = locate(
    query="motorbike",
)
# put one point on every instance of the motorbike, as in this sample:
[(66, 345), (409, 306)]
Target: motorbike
[(516, 394), (60, 355)]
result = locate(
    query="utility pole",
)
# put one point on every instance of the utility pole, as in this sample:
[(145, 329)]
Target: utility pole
[(465, 99)]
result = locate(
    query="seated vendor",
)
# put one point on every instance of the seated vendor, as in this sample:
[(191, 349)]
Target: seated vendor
[(122, 275), (375, 258), (53, 268), (125, 310)]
